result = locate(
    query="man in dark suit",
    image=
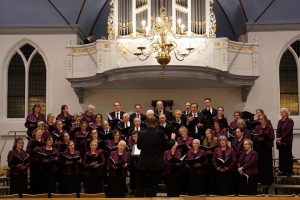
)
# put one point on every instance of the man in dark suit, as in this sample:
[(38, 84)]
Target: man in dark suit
[(116, 116), (106, 134), (164, 126), (137, 114), (195, 123), (160, 109), (187, 110), (209, 113), (137, 125), (124, 126), (152, 143)]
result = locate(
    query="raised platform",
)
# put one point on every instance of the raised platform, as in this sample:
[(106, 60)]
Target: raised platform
[(278, 197)]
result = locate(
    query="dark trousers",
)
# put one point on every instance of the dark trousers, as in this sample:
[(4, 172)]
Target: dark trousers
[(93, 183), (224, 183), (70, 184), (196, 184), (286, 157), (35, 187), (248, 187), (18, 184), (265, 166), (117, 186), (173, 186), (47, 180), (147, 183)]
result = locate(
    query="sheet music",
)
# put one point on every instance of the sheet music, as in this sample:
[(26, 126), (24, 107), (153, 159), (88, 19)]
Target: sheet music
[(135, 150), (247, 176)]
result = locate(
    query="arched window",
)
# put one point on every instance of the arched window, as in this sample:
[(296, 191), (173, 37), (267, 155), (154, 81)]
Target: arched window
[(288, 74), (26, 82), (37, 82), (16, 88)]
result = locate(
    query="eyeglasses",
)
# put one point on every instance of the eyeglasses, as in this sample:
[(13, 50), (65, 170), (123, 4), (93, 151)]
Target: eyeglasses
[(236, 115)]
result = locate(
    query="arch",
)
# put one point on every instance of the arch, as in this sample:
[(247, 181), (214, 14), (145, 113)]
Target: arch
[(286, 46), (288, 79), (9, 55)]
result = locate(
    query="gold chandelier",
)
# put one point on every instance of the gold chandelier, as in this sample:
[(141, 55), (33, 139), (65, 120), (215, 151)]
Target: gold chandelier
[(163, 26)]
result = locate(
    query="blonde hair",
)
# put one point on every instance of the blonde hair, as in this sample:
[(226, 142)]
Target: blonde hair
[(249, 141), (94, 142)]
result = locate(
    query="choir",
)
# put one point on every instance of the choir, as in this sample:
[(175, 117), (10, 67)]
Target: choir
[(207, 156)]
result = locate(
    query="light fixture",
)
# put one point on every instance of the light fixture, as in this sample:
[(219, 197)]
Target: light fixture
[(161, 46)]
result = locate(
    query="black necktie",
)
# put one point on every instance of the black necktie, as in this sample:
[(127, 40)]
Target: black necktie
[(138, 115), (117, 117)]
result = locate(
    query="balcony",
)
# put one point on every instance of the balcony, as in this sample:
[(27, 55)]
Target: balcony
[(214, 60)]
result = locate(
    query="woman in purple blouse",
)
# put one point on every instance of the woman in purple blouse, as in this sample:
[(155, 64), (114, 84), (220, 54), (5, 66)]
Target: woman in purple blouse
[(65, 117), (224, 162), (284, 142), (196, 165), (94, 164), (33, 146), (263, 142), (218, 131), (247, 168), (33, 118), (71, 164), (118, 163), (48, 160), (18, 163), (184, 140), (172, 163)]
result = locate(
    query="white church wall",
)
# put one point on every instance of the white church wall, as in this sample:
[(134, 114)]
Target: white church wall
[(53, 50), (266, 93)]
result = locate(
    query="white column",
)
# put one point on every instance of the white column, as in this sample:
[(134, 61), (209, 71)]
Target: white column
[(207, 18), (189, 18), (116, 15), (174, 14), (149, 14), (134, 18)]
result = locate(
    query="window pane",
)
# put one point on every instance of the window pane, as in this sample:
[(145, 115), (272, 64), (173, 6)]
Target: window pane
[(37, 83), (289, 83), (296, 47), (16, 88), (27, 50), (290, 101)]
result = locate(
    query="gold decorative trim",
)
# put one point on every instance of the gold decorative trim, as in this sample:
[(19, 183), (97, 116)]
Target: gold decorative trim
[(212, 21), (240, 48), (84, 49), (110, 21)]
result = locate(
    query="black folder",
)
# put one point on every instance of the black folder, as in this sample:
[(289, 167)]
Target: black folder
[(223, 163), (118, 163)]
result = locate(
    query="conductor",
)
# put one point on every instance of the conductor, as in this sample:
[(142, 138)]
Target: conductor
[(152, 143)]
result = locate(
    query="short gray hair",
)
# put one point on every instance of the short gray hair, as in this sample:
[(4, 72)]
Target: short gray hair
[(222, 137), (122, 142), (197, 141), (92, 107), (285, 110)]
